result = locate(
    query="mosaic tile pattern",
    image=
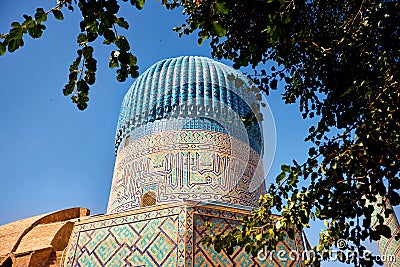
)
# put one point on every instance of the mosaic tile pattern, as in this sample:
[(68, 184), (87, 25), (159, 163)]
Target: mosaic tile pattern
[(186, 165), (224, 220), (230, 126), (163, 235), (150, 238)]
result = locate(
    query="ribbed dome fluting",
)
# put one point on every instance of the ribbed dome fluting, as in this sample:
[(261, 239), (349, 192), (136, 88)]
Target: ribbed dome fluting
[(187, 131)]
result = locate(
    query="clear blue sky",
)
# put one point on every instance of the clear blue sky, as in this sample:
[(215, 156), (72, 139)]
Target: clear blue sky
[(54, 156)]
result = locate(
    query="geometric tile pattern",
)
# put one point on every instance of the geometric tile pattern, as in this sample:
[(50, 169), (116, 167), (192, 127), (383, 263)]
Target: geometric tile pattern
[(151, 238), (223, 220), (186, 165), (162, 235)]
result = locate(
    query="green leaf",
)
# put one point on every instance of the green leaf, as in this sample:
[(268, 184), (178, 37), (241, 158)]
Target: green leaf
[(74, 98), (273, 84), (285, 168), (123, 23), (90, 77), (2, 49), (15, 33), (133, 71), (82, 105), (123, 57), (82, 86), (91, 36), (292, 179), (394, 198), (68, 88), (122, 43), (91, 26), (107, 42), (397, 237), (28, 21), (220, 8), (280, 177), (206, 240), (384, 230), (287, 19), (132, 60), (87, 52), (91, 64), (138, 3), (40, 15), (74, 66), (15, 25), (122, 73), (219, 30), (201, 40), (58, 14), (109, 35), (36, 30), (14, 44), (82, 39), (73, 75), (107, 20), (113, 61), (112, 6)]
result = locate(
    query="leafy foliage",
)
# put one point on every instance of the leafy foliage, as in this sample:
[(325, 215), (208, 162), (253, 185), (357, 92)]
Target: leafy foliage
[(99, 20), (339, 60)]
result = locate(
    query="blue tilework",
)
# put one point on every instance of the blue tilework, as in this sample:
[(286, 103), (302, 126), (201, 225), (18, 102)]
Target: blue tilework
[(198, 83)]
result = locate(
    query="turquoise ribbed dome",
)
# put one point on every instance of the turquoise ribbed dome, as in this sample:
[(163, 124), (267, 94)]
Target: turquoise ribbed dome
[(187, 131), (198, 83)]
